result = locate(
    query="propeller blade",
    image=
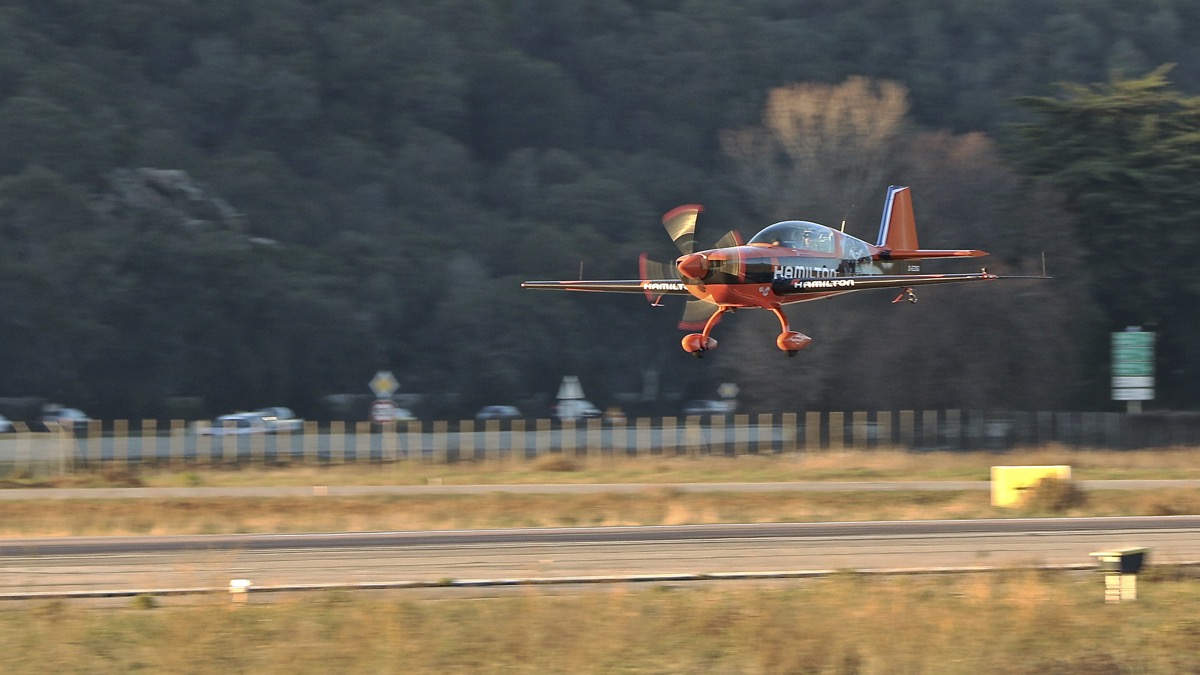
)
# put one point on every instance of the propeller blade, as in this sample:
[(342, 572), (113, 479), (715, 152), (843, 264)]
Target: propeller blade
[(731, 238), (681, 226), (653, 269), (696, 313), (731, 264)]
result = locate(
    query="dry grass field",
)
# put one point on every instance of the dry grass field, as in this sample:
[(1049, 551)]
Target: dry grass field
[(1013, 622), (882, 465), (654, 506)]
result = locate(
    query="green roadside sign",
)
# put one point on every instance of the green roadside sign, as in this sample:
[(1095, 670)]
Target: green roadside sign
[(1143, 339), (1133, 365), (1133, 368)]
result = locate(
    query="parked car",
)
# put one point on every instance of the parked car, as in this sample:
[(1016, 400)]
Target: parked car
[(234, 424), (5, 425), (57, 418), (280, 419), (498, 412), (707, 408), (575, 409)]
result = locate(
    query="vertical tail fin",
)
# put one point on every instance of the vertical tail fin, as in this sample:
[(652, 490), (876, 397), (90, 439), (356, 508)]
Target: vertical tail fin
[(898, 233), (898, 228)]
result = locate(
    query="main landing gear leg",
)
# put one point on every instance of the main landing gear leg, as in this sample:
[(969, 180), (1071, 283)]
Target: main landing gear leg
[(906, 295), (698, 343), (789, 340)]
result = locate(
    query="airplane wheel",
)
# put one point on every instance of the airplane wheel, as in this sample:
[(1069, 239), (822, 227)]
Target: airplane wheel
[(696, 343), (792, 353), (698, 355)]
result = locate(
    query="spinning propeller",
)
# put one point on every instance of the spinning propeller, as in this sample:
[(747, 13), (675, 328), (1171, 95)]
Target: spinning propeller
[(693, 268)]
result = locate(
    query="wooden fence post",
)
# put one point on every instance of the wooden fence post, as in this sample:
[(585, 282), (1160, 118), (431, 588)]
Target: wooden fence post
[(787, 432), (415, 441), (440, 429), (148, 437), (466, 440), (491, 440), (517, 440), (883, 429), (566, 438), (837, 430), (541, 441), (641, 438), (594, 438), (906, 428), (693, 435), (812, 431), (176, 442)]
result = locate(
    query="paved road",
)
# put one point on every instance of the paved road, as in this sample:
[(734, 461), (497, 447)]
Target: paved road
[(124, 563), (794, 486)]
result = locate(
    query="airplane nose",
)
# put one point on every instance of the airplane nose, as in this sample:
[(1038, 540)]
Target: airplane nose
[(692, 266)]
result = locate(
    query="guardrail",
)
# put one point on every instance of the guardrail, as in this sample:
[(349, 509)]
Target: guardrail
[(176, 443)]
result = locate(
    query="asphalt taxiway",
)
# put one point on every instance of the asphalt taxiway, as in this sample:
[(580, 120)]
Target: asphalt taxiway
[(45, 567)]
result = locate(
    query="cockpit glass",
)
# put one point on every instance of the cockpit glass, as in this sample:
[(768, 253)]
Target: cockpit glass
[(797, 234)]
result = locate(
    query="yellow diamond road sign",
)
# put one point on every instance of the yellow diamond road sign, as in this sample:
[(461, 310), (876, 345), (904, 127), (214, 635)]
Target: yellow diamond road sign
[(384, 384)]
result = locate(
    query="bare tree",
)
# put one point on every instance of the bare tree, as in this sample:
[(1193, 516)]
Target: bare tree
[(822, 149)]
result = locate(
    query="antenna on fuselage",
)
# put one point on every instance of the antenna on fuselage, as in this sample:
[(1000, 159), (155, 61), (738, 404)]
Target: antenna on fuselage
[(581, 270), (844, 216)]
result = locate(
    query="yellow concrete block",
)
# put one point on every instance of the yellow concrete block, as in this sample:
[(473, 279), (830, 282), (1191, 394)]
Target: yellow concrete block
[(1010, 484)]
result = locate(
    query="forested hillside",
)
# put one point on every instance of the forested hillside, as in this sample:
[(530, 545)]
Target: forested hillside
[(262, 203)]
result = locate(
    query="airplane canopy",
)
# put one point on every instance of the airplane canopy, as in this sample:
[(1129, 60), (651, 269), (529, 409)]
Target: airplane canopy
[(798, 234)]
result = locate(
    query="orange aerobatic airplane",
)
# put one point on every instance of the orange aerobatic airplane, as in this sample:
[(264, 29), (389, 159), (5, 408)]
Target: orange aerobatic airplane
[(790, 261)]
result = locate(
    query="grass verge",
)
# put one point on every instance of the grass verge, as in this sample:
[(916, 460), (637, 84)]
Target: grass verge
[(884, 465), (1011, 622), (652, 506)]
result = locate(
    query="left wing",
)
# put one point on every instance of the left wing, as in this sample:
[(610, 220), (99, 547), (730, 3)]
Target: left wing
[(645, 286)]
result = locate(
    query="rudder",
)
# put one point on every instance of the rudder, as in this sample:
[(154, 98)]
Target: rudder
[(898, 228)]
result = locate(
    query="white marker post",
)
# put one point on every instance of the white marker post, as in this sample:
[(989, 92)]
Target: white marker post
[(239, 590)]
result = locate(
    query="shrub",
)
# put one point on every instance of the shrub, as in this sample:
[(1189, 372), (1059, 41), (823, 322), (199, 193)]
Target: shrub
[(557, 463), (1055, 495)]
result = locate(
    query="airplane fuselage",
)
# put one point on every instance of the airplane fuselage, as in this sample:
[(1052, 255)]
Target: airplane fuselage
[(792, 261)]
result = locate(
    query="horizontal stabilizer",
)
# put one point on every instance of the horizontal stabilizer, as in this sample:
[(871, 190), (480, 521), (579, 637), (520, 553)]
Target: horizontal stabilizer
[(926, 254), (898, 232)]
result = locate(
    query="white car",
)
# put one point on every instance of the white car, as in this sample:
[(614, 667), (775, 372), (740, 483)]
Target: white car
[(234, 424), (497, 412), (280, 419), (54, 418), (703, 408), (5, 425)]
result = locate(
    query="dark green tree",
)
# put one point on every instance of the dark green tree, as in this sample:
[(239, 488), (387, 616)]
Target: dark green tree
[(1126, 157)]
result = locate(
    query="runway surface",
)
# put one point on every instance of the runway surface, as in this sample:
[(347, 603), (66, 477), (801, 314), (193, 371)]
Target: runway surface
[(33, 566)]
